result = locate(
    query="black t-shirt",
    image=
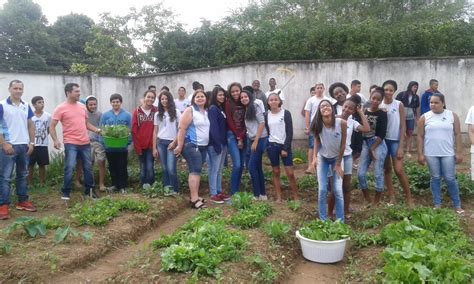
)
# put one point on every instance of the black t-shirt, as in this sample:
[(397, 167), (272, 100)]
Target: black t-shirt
[(377, 123)]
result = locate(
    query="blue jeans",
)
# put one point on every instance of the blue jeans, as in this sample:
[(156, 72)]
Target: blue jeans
[(238, 158), (8, 163), (255, 166), (73, 152), (147, 167), (443, 167), (364, 163), (168, 164), (324, 166), (215, 167)]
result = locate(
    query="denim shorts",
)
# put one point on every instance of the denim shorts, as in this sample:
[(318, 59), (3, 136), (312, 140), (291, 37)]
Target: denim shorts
[(392, 147), (311, 141), (410, 124), (347, 166), (274, 153), (195, 157)]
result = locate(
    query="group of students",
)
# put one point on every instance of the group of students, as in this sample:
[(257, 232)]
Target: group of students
[(245, 123)]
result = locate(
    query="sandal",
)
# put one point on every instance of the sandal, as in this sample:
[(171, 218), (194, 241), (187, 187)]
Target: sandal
[(200, 199), (198, 204)]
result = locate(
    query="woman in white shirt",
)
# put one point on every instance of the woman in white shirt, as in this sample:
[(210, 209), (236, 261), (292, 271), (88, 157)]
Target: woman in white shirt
[(165, 131), (439, 144)]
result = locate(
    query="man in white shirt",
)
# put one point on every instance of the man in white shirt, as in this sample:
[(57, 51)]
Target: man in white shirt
[(356, 86), (18, 141), (273, 89), (182, 102)]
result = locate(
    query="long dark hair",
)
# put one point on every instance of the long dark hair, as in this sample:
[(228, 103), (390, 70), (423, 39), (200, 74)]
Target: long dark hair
[(214, 100), (250, 110), (229, 96), (318, 124), (171, 106)]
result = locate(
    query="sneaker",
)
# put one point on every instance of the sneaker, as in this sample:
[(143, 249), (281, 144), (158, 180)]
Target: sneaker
[(217, 199), (146, 186), (459, 210), (91, 194), (65, 196), (111, 189), (26, 205), (4, 212), (123, 191), (256, 198), (263, 197), (223, 196)]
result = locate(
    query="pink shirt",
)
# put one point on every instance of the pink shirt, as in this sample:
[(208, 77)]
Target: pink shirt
[(73, 118)]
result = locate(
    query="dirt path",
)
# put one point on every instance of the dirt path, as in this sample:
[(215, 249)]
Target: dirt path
[(111, 263), (306, 271)]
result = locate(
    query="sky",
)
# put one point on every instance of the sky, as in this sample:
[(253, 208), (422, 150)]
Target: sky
[(189, 12)]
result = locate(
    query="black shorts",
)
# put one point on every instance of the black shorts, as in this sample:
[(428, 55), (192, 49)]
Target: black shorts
[(39, 156)]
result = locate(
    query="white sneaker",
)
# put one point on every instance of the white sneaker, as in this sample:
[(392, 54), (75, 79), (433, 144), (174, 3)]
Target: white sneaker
[(263, 198)]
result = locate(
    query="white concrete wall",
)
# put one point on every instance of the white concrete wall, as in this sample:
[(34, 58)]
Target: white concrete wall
[(454, 76)]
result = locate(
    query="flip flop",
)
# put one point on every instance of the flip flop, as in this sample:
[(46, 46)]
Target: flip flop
[(198, 204)]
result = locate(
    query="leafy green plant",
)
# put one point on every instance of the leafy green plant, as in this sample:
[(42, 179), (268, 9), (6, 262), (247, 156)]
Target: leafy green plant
[(325, 230), (157, 190), (362, 239), (5, 247), (200, 246), (300, 156), (466, 185), (242, 200), (33, 227), (307, 183), (100, 212), (52, 222), (294, 205), (252, 216), (266, 273), (373, 221), (115, 131), (276, 230), (419, 177), (62, 234)]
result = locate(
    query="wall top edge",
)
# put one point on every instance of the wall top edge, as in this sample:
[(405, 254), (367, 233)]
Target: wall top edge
[(242, 64)]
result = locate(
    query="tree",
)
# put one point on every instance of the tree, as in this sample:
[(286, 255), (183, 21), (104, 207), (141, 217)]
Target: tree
[(25, 43)]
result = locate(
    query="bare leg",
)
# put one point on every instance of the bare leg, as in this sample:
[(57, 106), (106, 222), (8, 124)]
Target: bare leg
[(30, 174), (193, 180), (388, 179), (310, 160), (346, 189), (402, 177), (377, 198), (292, 180), (42, 174), (101, 174), (276, 182)]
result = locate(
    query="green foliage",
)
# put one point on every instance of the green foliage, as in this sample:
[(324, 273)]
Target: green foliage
[(100, 212), (419, 177), (157, 190), (429, 246), (373, 221), (307, 183), (299, 156), (325, 230), (201, 245), (52, 222), (55, 172), (242, 200), (5, 247), (466, 185), (362, 239), (265, 273), (116, 131), (251, 216), (32, 226), (276, 230), (294, 205), (62, 234)]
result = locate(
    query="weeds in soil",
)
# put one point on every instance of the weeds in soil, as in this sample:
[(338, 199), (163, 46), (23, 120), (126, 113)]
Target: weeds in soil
[(300, 156), (250, 214), (100, 212), (5, 247), (294, 205), (266, 273), (63, 233), (277, 231), (32, 226), (157, 190), (307, 183), (374, 221)]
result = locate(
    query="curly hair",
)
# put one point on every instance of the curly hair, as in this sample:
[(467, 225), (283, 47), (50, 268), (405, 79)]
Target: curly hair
[(171, 106)]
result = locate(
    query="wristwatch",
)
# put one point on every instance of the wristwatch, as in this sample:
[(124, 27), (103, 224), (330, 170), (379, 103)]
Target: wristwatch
[(98, 131), (32, 143)]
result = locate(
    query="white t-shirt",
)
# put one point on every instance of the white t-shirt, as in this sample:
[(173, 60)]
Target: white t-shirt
[(282, 95), (312, 105), (352, 126), (330, 140), (393, 119), (181, 105), (41, 128), (439, 134), (276, 125), (167, 130), (363, 100), (470, 120)]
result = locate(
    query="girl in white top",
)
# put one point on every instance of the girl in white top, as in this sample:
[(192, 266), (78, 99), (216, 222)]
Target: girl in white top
[(165, 131), (470, 129), (349, 107), (193, 138), (439, 144), (279, 126), (394, 139), (330, 138)]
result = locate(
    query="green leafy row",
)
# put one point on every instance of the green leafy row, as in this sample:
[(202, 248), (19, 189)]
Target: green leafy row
[(427, 246), (250, 214), (325, 230), (100, 212)]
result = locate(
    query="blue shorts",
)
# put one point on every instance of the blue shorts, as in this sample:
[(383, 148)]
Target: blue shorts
[(311, 141), (274, 153), (410, 124), (346, 166), (392, 147), (195, 157)]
